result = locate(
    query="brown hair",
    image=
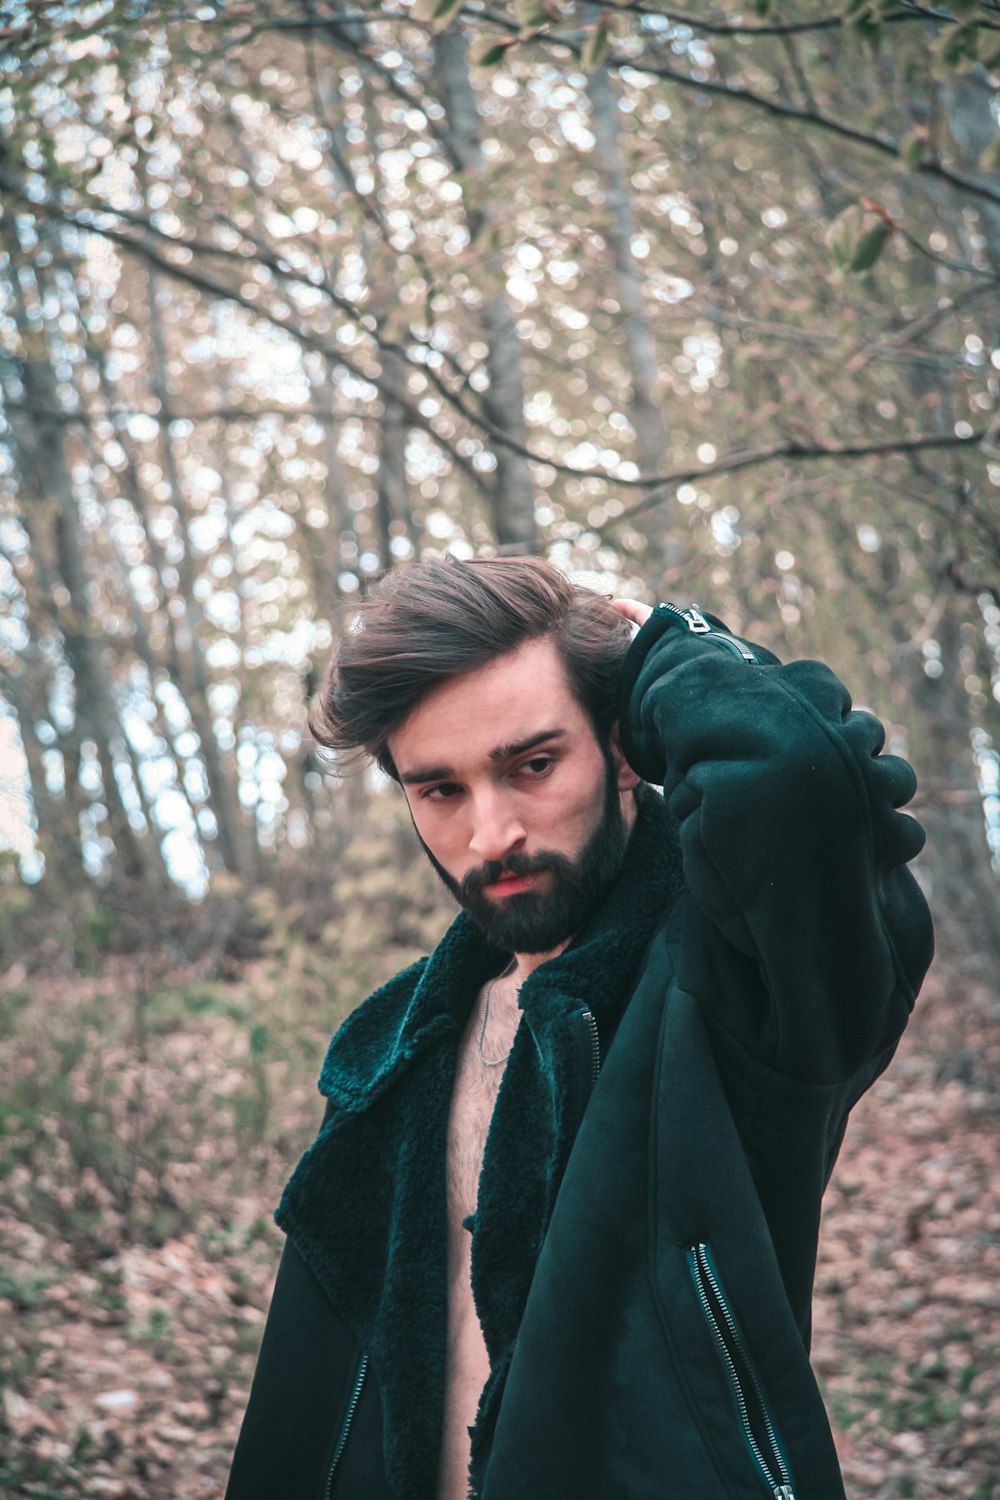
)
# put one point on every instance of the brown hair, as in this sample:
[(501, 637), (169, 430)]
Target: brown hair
[(430, 621)]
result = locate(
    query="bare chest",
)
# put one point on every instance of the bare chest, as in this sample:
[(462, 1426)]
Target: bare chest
[(473, 1101), (488, 1038)]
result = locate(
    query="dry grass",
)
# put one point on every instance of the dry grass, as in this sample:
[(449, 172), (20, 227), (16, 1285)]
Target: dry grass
[(148, 1127)]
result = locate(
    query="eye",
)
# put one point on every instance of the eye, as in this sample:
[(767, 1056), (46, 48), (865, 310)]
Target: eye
[(538, 765), (443, 791)]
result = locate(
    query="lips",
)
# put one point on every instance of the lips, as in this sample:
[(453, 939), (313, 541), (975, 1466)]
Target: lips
[(511, 885)]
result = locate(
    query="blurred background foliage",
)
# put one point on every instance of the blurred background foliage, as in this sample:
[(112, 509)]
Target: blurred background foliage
[(697, 307), (700, 304)]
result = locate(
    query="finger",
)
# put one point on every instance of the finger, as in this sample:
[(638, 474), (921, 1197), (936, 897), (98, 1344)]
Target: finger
[(633, 610)]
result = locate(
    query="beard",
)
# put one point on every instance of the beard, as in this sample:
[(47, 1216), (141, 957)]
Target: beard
[(538, 921)]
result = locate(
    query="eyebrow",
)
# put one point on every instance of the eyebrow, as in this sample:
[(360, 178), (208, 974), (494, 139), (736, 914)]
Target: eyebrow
[(500, 752)]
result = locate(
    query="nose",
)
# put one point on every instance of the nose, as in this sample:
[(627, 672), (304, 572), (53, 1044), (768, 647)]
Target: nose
[(497, 830)]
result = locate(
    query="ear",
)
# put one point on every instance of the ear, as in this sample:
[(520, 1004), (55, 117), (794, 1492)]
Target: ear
[(627, 779)]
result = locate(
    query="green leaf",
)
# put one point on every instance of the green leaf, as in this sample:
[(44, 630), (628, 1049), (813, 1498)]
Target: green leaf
[(869, 247), (260, 1040), (868, 30), (913, 148), (530, 14), (955, 50), (763, 8), (487, 52), (436, 13), (595, 47), (856, 239), (842, 236)]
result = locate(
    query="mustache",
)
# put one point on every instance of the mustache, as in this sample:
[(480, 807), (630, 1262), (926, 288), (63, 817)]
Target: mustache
[(475, 882)]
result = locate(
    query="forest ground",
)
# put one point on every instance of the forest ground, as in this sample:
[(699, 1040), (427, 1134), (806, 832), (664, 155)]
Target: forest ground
[(148, 1127)]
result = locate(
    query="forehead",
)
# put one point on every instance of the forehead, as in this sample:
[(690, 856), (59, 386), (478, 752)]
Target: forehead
[(506, 701)]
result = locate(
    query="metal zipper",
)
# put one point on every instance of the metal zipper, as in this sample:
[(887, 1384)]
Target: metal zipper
[(345, 1429), (696, 622), (693, 619), (595, 1045), (729, 1342)]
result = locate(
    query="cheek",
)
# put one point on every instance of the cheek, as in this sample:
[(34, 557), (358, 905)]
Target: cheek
[(575, 812), (441, 835)]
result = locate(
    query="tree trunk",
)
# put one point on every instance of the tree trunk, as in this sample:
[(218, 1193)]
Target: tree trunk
[(512, 495), (235, 838), (393, 486), (45, 473), (57, 818), (969, 100), (963, 884), (646, 410)]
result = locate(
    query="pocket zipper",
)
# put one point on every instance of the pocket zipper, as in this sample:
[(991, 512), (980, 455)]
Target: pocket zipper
[(694, 621), (740, 1372), (345, 1428), (594, 1037)]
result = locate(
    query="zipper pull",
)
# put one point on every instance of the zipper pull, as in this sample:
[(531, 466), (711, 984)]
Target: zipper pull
[(783, 1492), (693, 618)]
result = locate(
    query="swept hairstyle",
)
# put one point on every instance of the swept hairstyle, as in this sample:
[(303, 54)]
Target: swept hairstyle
[(427, 622)]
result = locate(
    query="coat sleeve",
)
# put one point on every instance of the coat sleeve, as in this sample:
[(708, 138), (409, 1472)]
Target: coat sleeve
[(793, 846)]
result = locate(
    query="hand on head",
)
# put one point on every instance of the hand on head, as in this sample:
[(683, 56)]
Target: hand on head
[(632, 610)]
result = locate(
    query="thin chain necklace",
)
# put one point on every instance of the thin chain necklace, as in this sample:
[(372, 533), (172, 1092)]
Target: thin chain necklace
[(492, 1062)]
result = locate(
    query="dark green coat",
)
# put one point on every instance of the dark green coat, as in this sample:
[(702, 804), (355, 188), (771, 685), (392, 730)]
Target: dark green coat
[(645, 1237)]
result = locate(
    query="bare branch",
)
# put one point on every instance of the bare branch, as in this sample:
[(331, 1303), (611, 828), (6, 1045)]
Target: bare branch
[(657, 486), (784, 109), (800, 452)]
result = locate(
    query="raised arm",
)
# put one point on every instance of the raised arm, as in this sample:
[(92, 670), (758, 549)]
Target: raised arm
[(793, 846)]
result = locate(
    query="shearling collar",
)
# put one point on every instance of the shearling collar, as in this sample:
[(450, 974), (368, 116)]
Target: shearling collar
[(367, 1204), (432, 999)]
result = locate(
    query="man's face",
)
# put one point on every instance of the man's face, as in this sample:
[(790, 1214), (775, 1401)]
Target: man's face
[(522, 813)]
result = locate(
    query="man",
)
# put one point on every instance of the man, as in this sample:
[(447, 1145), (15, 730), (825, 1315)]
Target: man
[(556, 1237)]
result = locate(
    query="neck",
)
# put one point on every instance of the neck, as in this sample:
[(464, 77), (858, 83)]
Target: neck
[(527, 963)]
